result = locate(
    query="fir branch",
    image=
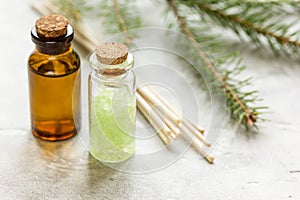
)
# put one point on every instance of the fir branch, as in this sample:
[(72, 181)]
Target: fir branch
[(121, 19), (73, 9), (260, 22), (122, 23), (237, 101)]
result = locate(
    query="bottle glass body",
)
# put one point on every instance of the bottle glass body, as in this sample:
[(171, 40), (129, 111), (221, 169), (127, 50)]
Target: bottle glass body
[(112, 114), (54, 101)]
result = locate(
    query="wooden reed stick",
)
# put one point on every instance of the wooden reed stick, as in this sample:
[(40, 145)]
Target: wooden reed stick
[(154, 101), (175, 131), (168, 106), (196, 144), (196, 134), (207, 156), (154, 119)]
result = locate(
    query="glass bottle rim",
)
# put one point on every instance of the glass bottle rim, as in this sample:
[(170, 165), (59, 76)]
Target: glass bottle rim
[(99, 68), (64, 40)]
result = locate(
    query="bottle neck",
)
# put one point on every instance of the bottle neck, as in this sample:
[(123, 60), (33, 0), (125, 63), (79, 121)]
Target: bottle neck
[(111, 71), (53, 49), (54, 46), (125, 80), (110, 78)]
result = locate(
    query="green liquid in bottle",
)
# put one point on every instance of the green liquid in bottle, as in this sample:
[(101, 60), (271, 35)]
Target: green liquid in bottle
[(112, 124)]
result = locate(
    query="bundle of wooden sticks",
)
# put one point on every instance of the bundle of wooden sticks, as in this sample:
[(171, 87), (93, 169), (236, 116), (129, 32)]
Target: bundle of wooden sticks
[(168, 123)]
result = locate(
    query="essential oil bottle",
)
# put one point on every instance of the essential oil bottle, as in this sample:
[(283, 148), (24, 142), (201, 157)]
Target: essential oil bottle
[(53, 69), (112, 103)]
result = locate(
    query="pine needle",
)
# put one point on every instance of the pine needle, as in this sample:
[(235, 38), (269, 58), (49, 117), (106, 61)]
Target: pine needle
[(237, 101), (260, 22), (117, 17)]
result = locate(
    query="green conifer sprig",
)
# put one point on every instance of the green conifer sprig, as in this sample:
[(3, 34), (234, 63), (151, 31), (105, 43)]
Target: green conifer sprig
[(120, 16), (260, 22), (73, 9), (240, 104)]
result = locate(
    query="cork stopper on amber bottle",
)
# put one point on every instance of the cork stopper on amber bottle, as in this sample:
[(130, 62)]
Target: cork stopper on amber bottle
[(51, 27)]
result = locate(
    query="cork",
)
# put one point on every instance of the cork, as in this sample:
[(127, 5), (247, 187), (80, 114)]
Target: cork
[(112, 53), (52, 26)]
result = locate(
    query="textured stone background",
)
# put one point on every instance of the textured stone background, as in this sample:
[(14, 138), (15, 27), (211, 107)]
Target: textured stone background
[(263, 166)]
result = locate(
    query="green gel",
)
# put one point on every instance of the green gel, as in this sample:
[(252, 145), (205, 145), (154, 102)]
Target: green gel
[(112, 124)]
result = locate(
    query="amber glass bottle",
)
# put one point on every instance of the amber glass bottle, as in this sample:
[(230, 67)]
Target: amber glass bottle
[(53, 68)]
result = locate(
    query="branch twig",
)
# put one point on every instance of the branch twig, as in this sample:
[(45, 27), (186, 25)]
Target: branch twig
[(250, 118), (247, 24), (122, 23)]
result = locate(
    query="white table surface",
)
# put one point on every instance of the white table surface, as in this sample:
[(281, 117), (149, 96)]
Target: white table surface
[(261, 166)]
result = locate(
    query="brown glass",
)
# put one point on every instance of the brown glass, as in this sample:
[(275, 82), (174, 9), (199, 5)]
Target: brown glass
[(53, 68)]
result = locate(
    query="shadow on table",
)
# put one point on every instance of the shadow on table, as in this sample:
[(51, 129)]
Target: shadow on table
[(68, 159)]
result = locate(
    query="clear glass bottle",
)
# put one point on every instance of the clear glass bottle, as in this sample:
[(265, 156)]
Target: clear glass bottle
[(53, 68), (112, 103)]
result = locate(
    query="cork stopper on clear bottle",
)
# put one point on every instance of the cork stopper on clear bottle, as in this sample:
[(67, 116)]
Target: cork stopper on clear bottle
[(111, 59)]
